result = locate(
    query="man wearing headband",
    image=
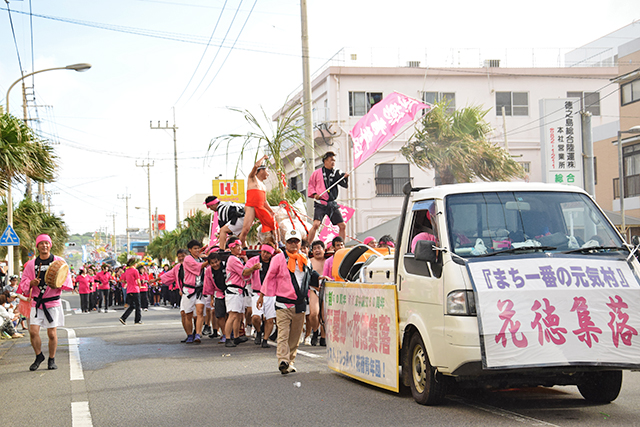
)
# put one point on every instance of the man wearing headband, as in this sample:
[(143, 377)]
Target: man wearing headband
[(256, 205), (257, 268), (230, 217), (234, 294), (288, 279), (46, 308), (322, 179)]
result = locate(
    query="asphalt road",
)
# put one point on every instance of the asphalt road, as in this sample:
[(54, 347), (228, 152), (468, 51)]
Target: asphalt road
[(141, 375)]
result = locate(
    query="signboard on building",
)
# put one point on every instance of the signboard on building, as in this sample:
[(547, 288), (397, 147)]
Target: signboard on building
[(229, 190), (561, 141), (161, 222)]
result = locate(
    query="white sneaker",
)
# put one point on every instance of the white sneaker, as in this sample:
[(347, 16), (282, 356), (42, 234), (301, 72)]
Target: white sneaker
[(292, 368), (307, 340)]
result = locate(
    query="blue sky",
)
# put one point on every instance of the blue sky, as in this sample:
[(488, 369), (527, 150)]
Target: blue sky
[(145, 55)]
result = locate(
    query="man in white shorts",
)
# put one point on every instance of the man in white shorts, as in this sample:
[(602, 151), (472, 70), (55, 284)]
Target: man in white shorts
[(257, 268), (192, 292), (46, 308), (234, 294)]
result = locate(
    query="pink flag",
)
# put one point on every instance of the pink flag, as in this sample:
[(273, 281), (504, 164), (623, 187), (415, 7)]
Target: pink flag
[(329, 231), (381, 123)]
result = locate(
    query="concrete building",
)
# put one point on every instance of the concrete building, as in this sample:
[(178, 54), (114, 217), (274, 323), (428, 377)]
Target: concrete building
[(342, 95)]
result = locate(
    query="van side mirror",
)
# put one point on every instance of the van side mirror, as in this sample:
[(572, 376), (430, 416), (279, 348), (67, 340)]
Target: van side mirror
[(424, 251)]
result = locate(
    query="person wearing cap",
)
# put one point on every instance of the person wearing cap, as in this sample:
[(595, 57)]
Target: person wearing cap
[(46, 307), (371, 242), (256, 269), (230, 218), (256, 205), (325, 201), (288, 279)]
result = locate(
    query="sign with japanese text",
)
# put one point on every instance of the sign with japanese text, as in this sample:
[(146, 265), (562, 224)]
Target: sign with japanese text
[(161, 222), (561, 141), (362, 332), (381, 124), (329, 231), (542, 311), (229, 190)]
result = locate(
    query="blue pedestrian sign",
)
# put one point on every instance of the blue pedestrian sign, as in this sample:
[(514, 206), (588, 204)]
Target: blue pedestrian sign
[(9, 237)]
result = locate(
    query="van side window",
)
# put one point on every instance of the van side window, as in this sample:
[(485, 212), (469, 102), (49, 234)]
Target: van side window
[(423, 227)]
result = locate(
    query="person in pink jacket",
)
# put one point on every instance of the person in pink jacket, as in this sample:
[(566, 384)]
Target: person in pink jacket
[(288, 279), (103, 278), (46, 308), (321, 180)]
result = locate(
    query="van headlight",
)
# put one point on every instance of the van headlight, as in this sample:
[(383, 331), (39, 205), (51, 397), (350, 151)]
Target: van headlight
[(461, 303)]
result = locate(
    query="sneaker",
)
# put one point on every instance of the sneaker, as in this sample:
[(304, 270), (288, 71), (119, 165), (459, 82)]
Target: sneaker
[(146, 309), (17, 335), (274, 336), (122, 321), (51, 363), (265, 344), (223, 339), (189, 339), (206, 330), (185, 340), (230, 343), (258, 339), (284, 367), (307, 340), (323, 342), (214, 334), (242, 339), (35, 365), (138, 323), (197, 339), (314, 338), (292, 368)]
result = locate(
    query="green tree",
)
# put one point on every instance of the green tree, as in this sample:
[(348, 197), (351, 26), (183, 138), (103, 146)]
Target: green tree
[(455, 145), (195, 227), (276, 140)]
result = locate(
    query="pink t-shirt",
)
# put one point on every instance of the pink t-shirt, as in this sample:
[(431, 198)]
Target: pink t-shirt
[(171, 278), (328, 268), (103, 277), (144, 282), (132, 279), (234, 272), (83, 284)]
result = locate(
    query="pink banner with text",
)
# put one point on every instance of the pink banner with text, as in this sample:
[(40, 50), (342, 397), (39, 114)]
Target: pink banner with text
[(329, 231), (382, 123)]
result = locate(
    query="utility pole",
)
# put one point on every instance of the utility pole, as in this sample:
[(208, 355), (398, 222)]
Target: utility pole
[(148, 165), (113, 240), (126, 198), (175, 158), (306, 102)]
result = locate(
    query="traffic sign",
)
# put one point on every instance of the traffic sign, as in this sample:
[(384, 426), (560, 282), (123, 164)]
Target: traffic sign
[(9, 237)]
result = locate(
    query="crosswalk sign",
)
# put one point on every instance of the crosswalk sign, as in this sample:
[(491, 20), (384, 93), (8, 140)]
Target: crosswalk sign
[(9, 237)]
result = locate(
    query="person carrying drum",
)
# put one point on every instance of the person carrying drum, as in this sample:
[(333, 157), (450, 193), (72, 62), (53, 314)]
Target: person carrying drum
[(46, 307)]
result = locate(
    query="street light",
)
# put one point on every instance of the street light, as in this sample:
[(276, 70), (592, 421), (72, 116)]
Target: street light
[(75, 67), (635, 129)]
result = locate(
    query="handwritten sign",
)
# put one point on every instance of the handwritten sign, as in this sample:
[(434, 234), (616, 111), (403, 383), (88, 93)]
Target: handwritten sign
[(541, 311), (362, 332)]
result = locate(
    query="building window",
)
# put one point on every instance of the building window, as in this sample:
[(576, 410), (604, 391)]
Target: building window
[(631, 163), (526, 166), (390, 178), (589, 101), (433, 97), (361, 102), (630, 92), (514, 103)]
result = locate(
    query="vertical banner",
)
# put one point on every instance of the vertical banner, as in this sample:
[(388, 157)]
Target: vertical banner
[(362, 332), (381, 123), (229, 190), (561, 141), (329, 231)]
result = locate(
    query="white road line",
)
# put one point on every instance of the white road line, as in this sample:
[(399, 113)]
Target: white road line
[(67, 305), (119, 325), (75, 364), (80, 414), (505, 413)]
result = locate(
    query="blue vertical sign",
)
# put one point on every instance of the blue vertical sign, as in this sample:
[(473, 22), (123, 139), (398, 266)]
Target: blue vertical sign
[(9, 237)]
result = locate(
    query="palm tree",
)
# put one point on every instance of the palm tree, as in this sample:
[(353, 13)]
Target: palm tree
[(275, 140), (195, 227), (455, 145), (23, 154)]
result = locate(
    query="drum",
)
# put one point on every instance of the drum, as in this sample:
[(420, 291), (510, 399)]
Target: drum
[(56, 274)]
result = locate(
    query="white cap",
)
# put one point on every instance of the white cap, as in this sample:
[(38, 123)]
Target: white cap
[(292, 234)]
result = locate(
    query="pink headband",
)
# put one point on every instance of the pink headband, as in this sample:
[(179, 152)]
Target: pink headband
[(43, 238), (233, 244), (267, 248), (369, 240), (213, 202)]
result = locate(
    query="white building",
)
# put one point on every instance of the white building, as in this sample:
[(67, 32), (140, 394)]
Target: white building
[(342, 95)]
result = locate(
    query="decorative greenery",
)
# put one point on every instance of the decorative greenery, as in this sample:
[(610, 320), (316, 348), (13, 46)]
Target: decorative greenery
[(194, 227), (455, 145)]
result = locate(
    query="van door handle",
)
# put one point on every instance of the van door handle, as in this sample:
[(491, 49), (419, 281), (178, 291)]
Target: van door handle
[(399, 282)]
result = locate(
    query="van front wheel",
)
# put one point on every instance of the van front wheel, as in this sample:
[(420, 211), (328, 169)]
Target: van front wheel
[(427, 385), (601, 387)]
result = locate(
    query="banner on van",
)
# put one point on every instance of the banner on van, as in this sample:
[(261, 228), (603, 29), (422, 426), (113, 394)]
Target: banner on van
[(541, 311), (362, 332)]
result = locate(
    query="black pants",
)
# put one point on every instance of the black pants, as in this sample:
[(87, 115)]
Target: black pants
[(134, 303), (175, 297), (103, 295), (84, 302), (144, 299)]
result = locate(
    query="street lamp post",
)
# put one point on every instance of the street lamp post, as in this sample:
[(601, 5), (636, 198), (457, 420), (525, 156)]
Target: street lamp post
[(635, 129), (74, 67)]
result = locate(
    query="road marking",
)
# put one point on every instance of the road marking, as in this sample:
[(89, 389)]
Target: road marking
[(119, 325), (67, 305), (80, 414), (75, 364), (159, 308), (504, 413)]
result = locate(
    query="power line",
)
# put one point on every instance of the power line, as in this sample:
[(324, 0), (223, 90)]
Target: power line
[(15, 42)]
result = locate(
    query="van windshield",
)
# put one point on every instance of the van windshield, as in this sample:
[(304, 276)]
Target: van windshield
[(484, 223)]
